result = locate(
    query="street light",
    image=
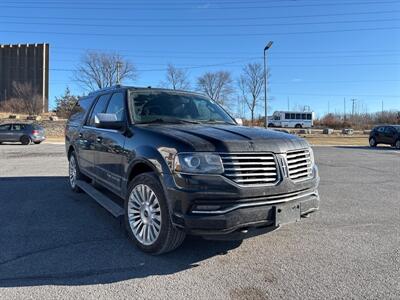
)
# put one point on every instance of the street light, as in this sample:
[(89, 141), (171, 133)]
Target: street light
[(265, 82)]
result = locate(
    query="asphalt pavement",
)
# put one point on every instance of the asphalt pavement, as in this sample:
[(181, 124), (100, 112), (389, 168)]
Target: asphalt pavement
[(55, 244)]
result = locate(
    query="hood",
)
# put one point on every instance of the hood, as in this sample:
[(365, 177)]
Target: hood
[(230, 138)]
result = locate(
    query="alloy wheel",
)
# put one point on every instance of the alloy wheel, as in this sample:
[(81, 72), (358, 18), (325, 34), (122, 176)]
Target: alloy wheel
[(72, 171), (144, 214)]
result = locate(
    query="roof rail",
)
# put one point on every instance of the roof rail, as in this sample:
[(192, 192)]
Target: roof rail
[(117, 86)]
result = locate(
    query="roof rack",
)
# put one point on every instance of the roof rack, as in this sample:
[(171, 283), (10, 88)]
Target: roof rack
[(117, 86)]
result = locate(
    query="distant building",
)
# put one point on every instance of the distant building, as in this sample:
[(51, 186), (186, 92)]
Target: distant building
[(25, 63)]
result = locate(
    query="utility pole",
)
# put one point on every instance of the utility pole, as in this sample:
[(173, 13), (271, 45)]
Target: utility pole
[(353, 106), (288, 103), (119, 65), (265, 82), (344, 109)]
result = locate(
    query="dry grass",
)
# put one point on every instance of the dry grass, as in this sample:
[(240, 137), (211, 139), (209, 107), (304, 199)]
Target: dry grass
[(322, 140)]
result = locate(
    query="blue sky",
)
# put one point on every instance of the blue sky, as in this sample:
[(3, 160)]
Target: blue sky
[(323, 51)]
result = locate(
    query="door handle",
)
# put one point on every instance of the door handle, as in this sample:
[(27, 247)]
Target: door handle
[(99, 139), (80, 135)]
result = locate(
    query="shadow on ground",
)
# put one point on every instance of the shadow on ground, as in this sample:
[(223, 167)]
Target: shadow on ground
[(50, 235)]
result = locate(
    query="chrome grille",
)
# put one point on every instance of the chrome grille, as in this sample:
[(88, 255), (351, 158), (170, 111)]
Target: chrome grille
[(250, 168), (299, 164)]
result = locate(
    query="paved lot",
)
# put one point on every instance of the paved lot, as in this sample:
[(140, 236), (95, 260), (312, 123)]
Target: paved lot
[(56, 244)]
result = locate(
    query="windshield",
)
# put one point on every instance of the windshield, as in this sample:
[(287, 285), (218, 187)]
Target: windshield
[(162, 106)]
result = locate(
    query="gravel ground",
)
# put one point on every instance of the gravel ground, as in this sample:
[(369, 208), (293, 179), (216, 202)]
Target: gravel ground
[(57, 244)]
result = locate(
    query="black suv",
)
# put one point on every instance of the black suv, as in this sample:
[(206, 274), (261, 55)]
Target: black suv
[(182, 165), (387, 134)]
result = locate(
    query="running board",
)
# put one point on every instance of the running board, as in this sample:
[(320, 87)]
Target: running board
[(116, 210)]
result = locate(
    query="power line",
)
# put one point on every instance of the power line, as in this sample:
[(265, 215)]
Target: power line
[(197, 25), (201, 19), (167, 8), (199, 35)]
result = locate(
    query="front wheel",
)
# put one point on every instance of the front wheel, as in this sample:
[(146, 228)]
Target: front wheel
[(147, 218), (36, 143), (74, 173), (298, 126), (372, 142)]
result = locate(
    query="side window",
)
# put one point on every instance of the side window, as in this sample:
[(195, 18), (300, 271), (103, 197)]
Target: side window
[(79, 110), (117, 106), (292, 116), (4, 127), (381, 129), (99, 107), (287, 116), (298, 116), (389, 130), (304, 116), (309, 117), (18, 127)]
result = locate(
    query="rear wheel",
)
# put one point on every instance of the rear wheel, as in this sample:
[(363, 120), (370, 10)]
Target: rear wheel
[(298, 126), (25, 140), (372, 142), (74, 173), (37, 143), (147, 217), (397, 144)]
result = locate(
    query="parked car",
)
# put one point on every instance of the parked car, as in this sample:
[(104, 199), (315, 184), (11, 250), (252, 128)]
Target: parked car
[(22, 132), (387, 134), (183, 166)]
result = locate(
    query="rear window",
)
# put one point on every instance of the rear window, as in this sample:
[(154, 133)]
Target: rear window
[(80, 110)]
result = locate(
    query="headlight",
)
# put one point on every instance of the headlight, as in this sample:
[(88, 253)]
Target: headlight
[(198, 163)]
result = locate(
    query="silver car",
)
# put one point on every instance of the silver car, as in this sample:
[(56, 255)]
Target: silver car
[(22, 132)]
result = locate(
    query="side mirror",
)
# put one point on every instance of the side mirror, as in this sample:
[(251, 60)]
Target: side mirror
[(239, 121), (108, 121)]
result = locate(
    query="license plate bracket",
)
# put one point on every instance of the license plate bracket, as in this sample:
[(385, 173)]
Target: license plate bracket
[(287, 213)]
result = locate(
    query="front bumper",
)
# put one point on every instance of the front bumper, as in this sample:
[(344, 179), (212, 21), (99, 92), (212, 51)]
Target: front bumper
[(217, 208)]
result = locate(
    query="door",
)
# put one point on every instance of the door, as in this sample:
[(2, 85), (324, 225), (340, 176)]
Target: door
[(5, 132), (389, 135), (379, 135), (17, 131), (109, 155), (88, 135)]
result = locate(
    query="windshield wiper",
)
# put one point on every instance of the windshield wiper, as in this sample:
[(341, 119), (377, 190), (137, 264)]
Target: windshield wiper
[(211, 121)]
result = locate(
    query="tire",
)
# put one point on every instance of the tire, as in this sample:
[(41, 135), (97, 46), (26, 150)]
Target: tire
[(74, 173), (25, 140), (36, 143), (271, 125), (147, 217), (298, 126), (397, 144), (372, 142)]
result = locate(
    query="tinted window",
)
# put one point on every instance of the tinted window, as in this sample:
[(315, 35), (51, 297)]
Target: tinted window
[(174, 107), (298, 116), (293, 116), (381, 129), (389, 130), (18, 127), (80, 109), (287, 116), (304, 116), (117, 106), (309, 117), (100, 107), (4, 127)]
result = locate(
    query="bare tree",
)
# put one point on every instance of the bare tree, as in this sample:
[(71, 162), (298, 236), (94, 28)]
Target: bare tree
[(177, 79), (216, 85), (251, 84), (99, 70), (29, 96)]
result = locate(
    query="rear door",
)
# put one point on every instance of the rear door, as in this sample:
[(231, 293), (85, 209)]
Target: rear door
[(88, 136), (5, 132), (17, 131), (389, 135), (109, 155), (379, 135)]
